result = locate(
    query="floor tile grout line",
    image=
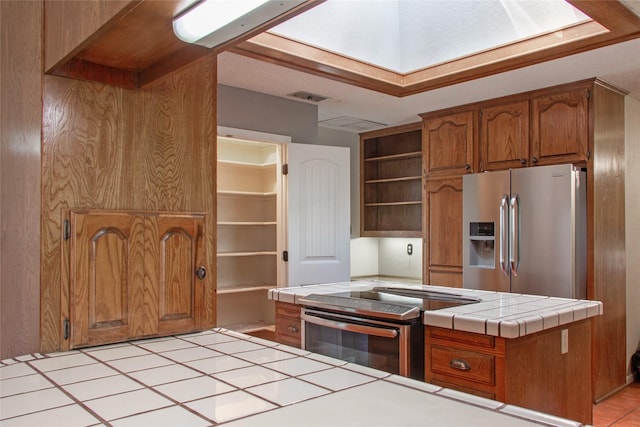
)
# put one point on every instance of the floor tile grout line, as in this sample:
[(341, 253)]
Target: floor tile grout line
[(71, 396), (154, 390), (211, 375)]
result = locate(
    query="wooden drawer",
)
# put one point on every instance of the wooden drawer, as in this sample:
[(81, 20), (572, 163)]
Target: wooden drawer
[(288, 331), (287, 310), (463, 364)]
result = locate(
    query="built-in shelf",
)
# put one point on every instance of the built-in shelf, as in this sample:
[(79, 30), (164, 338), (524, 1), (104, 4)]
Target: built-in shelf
[(236, 254), (224, 289), (417, 202), (247, 223), (399, 156), (247, 164), (247, 193), (247, 233), (247, 327), (391, 183), (402, 178)]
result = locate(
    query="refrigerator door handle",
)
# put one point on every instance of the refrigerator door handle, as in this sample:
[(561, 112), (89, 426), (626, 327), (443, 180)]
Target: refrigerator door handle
[(504, 243), (514, 248)]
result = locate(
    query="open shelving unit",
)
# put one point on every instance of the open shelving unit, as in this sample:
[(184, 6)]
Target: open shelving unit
[(391, 182), (248, 226)]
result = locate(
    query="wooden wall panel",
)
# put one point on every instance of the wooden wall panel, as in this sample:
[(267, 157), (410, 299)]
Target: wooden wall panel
[(87, 17), (20, 118), (607, 277), (110, 148)]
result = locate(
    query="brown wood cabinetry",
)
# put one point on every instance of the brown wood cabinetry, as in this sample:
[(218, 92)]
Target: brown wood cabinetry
[(288, 324), (542, 128), (391, 177), (531, 371), (448, 142), (560, 127), (134, 274), (580, 123), (504, 136), (443, 232)]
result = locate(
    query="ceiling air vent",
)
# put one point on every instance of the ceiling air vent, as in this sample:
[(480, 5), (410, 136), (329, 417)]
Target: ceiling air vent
[(352, 124), (308, 96)]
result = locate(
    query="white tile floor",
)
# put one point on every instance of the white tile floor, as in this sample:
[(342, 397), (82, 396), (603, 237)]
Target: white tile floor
[(190, 380)]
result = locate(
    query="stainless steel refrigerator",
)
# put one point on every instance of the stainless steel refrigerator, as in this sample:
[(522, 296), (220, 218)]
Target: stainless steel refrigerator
[(524, 231)]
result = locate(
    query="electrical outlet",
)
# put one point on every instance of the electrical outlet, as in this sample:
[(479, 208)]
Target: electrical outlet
[(409, 249), (564, 341)]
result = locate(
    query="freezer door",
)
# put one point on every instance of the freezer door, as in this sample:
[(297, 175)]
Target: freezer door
[(547, 218), (485, 231)]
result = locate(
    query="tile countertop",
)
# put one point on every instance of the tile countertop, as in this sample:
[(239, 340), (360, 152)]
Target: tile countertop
[(222, 377), (499, 314)]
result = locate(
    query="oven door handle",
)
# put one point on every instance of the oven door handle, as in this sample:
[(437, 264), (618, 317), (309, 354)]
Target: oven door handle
[(351, 327)]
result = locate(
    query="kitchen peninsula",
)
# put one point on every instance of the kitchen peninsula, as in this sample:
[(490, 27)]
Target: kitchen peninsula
[(527, 350), (225, 378)]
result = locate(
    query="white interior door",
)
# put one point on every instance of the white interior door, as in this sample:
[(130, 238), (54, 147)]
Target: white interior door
[(318, 214)]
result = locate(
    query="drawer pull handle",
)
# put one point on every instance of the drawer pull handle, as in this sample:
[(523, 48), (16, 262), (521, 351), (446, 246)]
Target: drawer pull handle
[(292, 329), (460, 365)]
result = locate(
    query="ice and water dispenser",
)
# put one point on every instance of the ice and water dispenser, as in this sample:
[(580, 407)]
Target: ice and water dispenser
[(482, 244)]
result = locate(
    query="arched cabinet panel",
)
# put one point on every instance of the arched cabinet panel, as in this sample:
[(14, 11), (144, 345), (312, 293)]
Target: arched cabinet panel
[(180, 242), (106, 277)]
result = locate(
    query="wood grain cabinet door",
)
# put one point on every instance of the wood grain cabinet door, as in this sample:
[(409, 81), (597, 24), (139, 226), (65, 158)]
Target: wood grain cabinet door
[(177, 297), (448, 143), (106, 277), (560, 128), (135, 274), (504, 136), (443, 232)]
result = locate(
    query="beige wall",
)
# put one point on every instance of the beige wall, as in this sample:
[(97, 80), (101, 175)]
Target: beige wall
[(632, 206)]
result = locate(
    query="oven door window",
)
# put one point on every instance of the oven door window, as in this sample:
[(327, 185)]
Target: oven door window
[(368, 343)]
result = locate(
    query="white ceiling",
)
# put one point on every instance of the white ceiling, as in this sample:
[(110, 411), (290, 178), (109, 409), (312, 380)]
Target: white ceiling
[(617, 64)]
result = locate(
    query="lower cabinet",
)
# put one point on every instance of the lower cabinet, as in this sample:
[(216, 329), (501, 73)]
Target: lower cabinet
[(532, 371), (288, 324), (134, 274)]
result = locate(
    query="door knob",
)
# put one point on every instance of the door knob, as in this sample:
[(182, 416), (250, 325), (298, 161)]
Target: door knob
[(201, 272)]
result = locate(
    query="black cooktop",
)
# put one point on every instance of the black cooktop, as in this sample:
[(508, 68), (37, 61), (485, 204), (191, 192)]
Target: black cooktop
[(388, 302), (422, 299)]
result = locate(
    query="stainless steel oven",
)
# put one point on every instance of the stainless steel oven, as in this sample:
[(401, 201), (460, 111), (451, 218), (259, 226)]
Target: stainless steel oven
[(384, 336), (380, 327)]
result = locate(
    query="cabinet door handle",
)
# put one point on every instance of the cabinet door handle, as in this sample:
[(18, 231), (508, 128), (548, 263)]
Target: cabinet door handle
[(293, 329), (201, 272), (534, 160), (523, 161), (459, 364), (467, 166)]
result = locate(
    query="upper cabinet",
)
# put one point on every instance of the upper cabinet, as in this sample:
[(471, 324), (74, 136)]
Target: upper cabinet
[(559, 127), (391, 178), (545, 127), (448, 141), (504, 136)]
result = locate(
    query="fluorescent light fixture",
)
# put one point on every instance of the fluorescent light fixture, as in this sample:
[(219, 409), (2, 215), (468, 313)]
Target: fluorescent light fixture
[(213, 22)]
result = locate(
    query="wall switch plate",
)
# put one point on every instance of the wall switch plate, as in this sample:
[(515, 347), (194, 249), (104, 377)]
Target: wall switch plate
[(564, 341)]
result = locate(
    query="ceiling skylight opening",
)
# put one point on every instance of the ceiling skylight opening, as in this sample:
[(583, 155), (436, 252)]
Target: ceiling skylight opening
[(408, 35)]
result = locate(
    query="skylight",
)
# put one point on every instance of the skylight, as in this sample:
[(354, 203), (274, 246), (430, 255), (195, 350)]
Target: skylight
[(408, 35)]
